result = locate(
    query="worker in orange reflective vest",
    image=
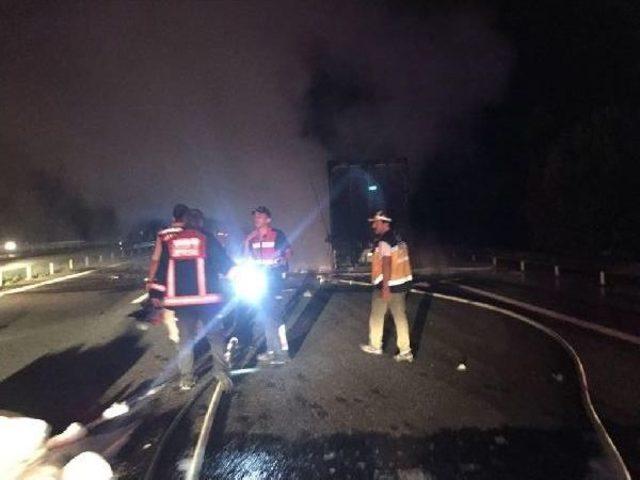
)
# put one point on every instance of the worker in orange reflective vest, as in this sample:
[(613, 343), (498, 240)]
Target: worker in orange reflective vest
[(391, 276)]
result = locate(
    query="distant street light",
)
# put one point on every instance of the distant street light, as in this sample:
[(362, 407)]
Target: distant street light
[(373, 188), (10, 246)]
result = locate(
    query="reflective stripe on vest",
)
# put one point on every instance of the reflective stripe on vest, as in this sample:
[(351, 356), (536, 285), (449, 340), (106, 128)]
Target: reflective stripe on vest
[(188, 246), (400, 266), (185, 300), (263, 249)]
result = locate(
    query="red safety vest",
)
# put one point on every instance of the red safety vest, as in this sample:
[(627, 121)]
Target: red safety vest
[(262, 247), (182, 276)]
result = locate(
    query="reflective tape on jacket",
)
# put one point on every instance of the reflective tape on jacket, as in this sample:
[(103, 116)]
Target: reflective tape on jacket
[(263, 247), (186, 300)]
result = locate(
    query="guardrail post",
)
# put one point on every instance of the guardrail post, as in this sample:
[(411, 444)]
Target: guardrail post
[(29, 270), (51, 268), (99, 258), (556, 270), (522, 265), (603, 279), (86, 261), (71, 264), (495, 261), (112, 255), (1, 277)]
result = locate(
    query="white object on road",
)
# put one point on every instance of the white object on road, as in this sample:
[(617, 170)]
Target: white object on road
[(87, 465), (153, 391), (115, 410), (462, 367), (72, 433), (21, 441)]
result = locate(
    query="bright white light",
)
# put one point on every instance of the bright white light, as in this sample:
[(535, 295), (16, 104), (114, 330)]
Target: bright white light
[(115, 410), (373, 188), (249, 281), (10, 246)]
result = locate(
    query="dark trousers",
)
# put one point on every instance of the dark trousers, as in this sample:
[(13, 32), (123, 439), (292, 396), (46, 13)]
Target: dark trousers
[(195, 322)]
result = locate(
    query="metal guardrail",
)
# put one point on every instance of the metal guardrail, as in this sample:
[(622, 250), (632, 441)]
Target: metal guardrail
[(30, 268), (602, 271)]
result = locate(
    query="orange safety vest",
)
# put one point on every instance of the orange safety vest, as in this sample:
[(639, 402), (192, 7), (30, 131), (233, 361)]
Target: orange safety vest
[(400, 262)]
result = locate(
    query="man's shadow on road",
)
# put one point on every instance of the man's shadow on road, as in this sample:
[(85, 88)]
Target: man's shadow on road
[(69, 386)]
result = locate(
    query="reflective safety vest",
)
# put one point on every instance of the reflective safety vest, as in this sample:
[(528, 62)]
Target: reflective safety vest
[(185, 276), (400, 263), (162, 236), (266, 249)]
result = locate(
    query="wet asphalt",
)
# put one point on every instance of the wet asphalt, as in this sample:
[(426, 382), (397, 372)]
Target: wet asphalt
[(69, 350), (335, 412)]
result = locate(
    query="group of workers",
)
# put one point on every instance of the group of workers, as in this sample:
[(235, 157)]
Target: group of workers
[(185, 278)]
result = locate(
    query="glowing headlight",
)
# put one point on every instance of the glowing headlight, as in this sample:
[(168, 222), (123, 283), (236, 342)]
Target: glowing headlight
[(10, 246), (249, 282)]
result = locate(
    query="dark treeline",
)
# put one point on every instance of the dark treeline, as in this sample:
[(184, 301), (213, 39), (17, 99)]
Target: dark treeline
[(39, 205), (554, 166)]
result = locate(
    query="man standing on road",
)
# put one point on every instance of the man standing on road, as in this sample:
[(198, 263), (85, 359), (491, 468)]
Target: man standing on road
[(270, 248), (179, 212), (391, 277), (188, 280)]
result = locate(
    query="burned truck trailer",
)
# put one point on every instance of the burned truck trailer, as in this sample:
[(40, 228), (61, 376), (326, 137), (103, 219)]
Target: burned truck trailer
[(357, 190)]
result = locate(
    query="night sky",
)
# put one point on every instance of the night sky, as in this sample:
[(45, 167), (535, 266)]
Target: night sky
[(229, 105)]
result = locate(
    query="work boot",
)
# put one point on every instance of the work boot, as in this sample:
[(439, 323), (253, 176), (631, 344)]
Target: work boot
[(265, 357), (367, 348), (272, 359), (187, 383), (404, 357)]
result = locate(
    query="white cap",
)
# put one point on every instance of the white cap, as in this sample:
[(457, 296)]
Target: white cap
[(380, 215)]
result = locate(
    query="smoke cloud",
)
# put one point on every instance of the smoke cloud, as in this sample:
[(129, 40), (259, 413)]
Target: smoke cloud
[(229, 105)]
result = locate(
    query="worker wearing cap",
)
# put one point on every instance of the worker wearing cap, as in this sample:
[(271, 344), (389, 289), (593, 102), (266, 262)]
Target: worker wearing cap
[(177, 225), (391, 277), (270, 248)]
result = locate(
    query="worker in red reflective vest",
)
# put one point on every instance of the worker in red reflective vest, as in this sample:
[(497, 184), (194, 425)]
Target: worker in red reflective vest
[(270, 248), (188, 281), (179, 213)]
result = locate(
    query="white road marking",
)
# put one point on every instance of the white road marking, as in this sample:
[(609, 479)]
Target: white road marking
[(610, 332), (45, 283), (584, 387)]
